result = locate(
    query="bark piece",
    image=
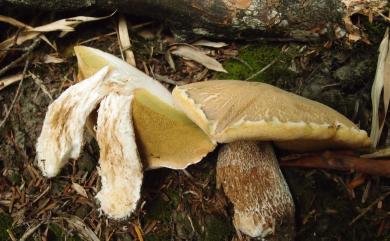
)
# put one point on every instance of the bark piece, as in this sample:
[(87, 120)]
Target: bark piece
[(250, 177), (299, 20)]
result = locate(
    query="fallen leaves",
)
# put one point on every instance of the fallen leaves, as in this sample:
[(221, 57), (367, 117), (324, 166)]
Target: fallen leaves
[(211, 44), (79, 189), (198, 56), (381, 82), (28, 32), (8, 80)]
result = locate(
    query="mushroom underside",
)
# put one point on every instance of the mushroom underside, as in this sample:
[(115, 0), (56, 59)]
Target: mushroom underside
[(249, 175)]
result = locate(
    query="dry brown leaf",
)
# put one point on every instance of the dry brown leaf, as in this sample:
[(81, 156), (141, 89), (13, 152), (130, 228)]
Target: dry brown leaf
[(207, 43), (13, 22), (385, 152), (124, 40), (199, 57), (66, 24), (8, 80), (52, 59), (29, 32), (79, 189), (381, 82)]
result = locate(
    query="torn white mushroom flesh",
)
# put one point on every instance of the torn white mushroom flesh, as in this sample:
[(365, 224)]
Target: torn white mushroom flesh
[(120, 166), (249, 174), (62, 133)]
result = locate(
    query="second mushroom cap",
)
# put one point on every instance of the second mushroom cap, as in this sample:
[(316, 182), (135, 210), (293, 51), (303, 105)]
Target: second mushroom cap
[(229, 110)]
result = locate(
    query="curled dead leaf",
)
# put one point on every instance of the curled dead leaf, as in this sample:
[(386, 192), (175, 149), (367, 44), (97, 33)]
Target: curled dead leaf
[(199, 57)]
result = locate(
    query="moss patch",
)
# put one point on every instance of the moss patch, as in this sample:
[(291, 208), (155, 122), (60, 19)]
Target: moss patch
[(5, 223), (216, 228), (252, 59)]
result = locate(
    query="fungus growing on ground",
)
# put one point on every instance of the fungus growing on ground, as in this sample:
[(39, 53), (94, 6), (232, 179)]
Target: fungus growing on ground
[(240, 113), (111, 83)]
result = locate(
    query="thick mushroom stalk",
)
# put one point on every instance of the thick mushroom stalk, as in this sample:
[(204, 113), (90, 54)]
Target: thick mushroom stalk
[(249, 174), (120, 165)]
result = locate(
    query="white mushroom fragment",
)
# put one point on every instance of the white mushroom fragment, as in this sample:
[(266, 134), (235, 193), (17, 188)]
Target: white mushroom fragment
[(63, 128), (229, 111), (120, 165)]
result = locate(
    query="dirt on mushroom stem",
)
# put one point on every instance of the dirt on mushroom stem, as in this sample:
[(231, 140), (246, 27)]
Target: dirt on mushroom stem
[(325, 203)]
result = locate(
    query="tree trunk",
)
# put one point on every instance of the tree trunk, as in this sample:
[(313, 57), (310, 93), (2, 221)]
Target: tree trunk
[(238, 19)]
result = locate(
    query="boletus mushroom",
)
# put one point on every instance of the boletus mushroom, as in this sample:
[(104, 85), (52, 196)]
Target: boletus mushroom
[(248, 116), (135, 121)]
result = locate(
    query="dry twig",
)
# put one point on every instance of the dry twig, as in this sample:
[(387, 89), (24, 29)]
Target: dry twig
[(369, 207), (22, 57), (16, 94), (343, 161)]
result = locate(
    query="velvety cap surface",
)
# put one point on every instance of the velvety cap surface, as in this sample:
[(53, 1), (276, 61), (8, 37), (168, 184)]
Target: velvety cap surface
[(229, 110)]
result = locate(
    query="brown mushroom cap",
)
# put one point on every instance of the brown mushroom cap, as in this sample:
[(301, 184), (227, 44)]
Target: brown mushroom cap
[(229, 110)]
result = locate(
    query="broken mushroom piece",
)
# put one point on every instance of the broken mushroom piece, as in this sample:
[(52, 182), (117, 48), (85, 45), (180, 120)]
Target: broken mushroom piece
[(62, 132), (165, 136), (120, 165), (230, 111)]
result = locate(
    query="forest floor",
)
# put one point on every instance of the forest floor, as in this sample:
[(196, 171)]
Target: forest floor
[(183, 205)]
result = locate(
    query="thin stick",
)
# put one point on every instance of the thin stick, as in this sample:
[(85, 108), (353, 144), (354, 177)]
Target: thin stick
[(30, 231), (263, 69), (342, 161), (16, 94), (369, 207), (22, 57)]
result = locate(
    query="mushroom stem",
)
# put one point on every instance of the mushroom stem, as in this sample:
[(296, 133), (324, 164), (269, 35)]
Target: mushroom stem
[(250, 177)]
